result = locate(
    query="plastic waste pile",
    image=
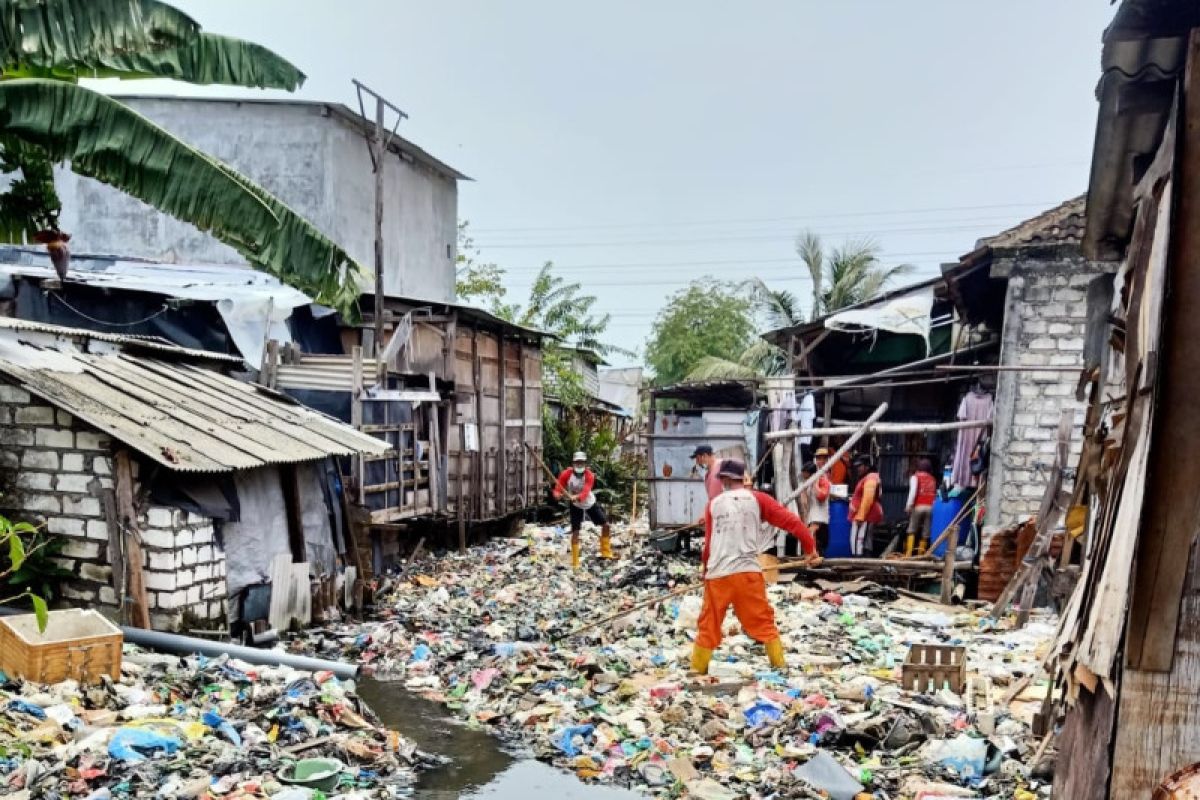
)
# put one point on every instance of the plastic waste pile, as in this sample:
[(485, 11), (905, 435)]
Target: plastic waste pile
[(616, 705), (197, 728)]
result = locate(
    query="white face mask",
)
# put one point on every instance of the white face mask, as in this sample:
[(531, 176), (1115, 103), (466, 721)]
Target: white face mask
[(580, 470)]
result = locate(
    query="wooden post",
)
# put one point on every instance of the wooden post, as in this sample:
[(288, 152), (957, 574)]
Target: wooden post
[(480, 468), (525, 498), (502, 463), (462, 512), (356, 417), (134, 559), (948, 566), (377, 144)]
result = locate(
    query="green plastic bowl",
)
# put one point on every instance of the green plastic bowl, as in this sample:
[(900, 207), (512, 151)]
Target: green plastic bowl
[(313, 773)]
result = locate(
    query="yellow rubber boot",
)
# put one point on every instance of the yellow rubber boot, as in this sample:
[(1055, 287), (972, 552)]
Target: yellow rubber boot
[(606, 544), (574, 555), (923, 546), (908, 546), (701, 656), (775, 654)]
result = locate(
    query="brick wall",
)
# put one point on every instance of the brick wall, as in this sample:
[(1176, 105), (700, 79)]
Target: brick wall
[(1044, 325), (64, 467)]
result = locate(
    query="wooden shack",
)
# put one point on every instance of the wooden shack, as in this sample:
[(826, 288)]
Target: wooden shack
[(457, 392)]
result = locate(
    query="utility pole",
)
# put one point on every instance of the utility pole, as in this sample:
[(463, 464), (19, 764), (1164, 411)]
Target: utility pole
[(377, 146)]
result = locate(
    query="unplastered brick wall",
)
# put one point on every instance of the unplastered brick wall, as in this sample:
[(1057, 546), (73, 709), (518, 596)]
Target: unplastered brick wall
[(185, 569), (1045, 322), (63, 467)]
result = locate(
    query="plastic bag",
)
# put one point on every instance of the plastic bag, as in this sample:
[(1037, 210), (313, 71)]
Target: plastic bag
[(824, 773), (127, 743), (222, 726), (565, 738), (762, 712), (965, 754)]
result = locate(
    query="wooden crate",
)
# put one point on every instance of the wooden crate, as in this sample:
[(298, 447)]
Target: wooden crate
[(929, 667), (78, 645)]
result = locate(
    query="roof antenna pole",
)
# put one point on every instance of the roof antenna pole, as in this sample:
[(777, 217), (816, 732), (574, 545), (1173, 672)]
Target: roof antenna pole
[(377, 146)]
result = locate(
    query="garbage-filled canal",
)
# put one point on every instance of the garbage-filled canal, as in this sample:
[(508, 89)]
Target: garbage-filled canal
[(481, 767)]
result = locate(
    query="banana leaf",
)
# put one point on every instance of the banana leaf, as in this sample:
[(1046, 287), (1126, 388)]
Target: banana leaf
[(105, 140), (44, 33), (205, 59)]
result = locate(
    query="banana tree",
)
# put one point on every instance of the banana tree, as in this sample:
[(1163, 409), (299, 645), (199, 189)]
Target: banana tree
[(46, 118)]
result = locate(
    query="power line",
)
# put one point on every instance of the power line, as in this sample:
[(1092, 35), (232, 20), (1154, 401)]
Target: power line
[(719, 239), (836, 215), (794, 260)]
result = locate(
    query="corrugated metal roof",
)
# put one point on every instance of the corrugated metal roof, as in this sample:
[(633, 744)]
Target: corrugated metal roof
[(145, 343), (183, 416)]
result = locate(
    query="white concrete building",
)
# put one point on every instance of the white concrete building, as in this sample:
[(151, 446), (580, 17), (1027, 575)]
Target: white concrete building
[(311, 155)]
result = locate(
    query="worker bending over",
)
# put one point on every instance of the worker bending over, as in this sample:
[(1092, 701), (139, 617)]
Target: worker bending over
[(576, 483), (733, 538)]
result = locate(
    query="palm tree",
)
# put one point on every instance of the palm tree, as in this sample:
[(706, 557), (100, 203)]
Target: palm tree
[(847, 275), (46, 117)]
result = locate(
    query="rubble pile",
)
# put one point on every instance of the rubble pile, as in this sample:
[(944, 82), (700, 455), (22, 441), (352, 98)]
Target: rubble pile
[(616, 705), (197, 728)]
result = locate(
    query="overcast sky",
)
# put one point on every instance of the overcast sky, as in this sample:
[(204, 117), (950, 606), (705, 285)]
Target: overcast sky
[(641, 144)]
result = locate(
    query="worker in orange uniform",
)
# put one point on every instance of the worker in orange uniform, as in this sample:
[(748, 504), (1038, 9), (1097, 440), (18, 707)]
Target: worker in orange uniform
[(839, 473), (922, 492), (865, 509), (576, 483), (733, 538)]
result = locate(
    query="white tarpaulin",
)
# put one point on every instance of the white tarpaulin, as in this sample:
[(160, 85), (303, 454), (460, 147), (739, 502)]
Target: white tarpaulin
[(907, 314)]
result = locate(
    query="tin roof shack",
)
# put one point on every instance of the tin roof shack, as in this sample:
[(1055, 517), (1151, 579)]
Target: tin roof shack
[(599, 411), (459, 397), (1128, 648), (889, 350), (169, 481), (235, 310), (723, 414)]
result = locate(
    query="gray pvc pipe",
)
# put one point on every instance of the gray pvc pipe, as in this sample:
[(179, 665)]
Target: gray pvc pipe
[(188, 645)]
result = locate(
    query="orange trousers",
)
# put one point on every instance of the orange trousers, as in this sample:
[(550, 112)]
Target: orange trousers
[(747, 593)]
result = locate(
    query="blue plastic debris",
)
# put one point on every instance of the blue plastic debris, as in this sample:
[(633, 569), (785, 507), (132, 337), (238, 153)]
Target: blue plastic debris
[(128, 744), (25, 707), (222, 726), (565, 738)]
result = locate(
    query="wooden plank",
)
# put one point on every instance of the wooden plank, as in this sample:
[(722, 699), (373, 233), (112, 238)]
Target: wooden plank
[(502, 463), (139, 615), (116, 550), (1158, 714), (462, 513), (1172, 509), (477, 460), (356, 390), (526, 500), (272, 364)]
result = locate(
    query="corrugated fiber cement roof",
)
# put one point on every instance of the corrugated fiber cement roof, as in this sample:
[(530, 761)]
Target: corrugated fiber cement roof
[(182, 416)]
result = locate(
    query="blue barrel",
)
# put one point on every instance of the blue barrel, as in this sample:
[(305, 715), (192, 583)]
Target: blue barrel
[(944, 512), (839, 530)]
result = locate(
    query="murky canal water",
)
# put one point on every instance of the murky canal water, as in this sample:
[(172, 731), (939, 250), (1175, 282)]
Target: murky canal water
[(481, 768)]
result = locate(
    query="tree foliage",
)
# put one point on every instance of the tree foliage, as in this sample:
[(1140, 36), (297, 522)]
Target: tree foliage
[(563, 310), (845, 275), (476, 281), (708, 319), (47, 45)]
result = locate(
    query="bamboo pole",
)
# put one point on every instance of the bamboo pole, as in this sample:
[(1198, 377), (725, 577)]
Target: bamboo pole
[(845, 448), (882, 428)]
